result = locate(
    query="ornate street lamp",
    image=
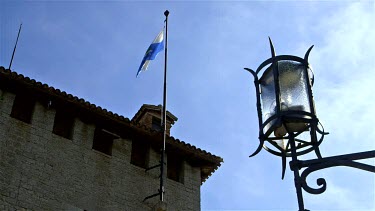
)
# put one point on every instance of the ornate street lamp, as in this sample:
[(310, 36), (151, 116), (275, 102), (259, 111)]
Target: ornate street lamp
[(288, 125)]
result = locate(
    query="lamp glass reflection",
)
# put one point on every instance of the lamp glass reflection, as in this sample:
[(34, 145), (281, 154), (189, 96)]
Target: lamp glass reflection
[(293, 97)]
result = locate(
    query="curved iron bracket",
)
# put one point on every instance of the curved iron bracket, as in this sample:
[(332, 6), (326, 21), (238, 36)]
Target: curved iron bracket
[(323, 163)]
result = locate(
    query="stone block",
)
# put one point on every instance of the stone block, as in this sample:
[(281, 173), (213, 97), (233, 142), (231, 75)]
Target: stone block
[(160, 206)]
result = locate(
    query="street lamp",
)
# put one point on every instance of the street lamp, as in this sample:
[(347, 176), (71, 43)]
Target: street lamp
[(288, 125)]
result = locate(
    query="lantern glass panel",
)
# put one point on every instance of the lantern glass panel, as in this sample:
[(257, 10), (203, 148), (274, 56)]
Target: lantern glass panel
[(293, 93), (293, 86), (268, 97)]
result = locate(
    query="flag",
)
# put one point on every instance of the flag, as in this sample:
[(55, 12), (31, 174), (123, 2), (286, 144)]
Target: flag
[(156, 46)]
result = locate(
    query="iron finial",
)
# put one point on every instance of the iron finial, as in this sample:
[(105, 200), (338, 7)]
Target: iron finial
[(272, 48), (307, 54)]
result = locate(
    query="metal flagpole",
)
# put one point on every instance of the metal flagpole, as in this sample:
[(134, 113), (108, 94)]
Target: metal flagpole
[(15, 46), (164, 125), (162, 166)]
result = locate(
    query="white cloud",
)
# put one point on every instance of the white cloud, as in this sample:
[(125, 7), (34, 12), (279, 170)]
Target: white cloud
[(344, 65), (345, 76), (343, 198)]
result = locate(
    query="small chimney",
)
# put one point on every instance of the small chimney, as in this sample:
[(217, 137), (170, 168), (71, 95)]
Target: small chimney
[(151, 117)]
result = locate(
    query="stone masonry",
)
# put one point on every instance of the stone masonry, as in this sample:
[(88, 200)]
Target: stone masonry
[(40, 170)]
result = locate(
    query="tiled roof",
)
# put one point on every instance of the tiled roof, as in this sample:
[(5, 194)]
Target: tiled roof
[(207, 161)]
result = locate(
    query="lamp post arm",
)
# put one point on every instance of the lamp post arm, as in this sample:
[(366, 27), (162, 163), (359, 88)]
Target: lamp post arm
[(351, 157), (323, 163)]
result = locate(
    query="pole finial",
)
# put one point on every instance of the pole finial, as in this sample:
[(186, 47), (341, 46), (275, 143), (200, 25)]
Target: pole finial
[(166, 13)]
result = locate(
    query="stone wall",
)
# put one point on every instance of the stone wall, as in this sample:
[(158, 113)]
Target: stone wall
[(43, 171)]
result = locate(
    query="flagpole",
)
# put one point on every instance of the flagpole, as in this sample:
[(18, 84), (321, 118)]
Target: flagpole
[(162, 166)]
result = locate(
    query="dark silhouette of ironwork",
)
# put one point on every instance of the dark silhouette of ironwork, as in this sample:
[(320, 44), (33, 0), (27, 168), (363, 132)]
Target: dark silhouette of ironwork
[(292, 123)]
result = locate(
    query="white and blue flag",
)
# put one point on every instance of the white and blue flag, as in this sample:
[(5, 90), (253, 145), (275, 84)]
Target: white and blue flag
[(156, 46)]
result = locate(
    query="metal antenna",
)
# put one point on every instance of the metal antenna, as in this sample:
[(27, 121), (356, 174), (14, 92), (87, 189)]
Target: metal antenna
[(15, 46)]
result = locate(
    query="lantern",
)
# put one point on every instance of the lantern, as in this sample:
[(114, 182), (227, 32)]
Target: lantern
[(285, 105)]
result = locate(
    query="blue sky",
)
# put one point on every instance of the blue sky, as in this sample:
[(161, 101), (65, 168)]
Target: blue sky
[(92, 49)]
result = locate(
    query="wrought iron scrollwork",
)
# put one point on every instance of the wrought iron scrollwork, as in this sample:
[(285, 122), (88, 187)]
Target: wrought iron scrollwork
[(323, 163)]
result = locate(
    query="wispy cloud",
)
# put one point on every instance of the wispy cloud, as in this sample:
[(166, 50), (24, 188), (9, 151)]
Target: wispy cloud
[(344, 66)]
